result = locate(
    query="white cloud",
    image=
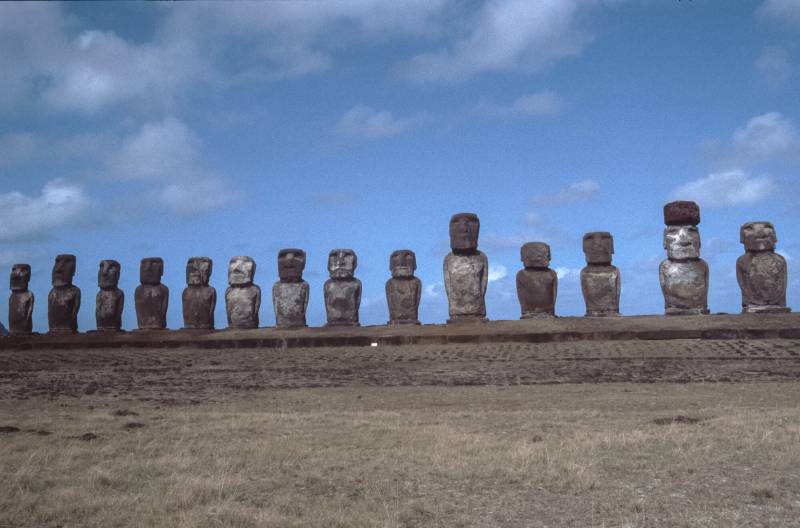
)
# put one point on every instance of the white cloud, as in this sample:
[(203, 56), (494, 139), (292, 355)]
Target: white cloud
[(507, 35), (497, 272), (363, 122), (567, 273), (534, 104), (60, 203), (774, 65), (17, 147), (576, 192), (727, 189), (781, 10), (766, 136), (434, 290), (167, 154)]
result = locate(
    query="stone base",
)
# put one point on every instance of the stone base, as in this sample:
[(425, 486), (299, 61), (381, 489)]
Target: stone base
[(291, 327), (538, 315), (687, 311), (198, 327), (602, 313), (241, 327), (769, 308), (342, 323), (467, 319), (403, 322), (61, 331), (151, 328), (108, 329)]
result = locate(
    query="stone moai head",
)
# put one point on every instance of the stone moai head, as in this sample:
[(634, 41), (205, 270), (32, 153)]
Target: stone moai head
[(20, 277), (198, 271), (64, 270), (681, 236), (758, 236), (535, 255), (402, 263), (241, 271), (342, 263), (464, 228), (291, 263), (598, 246), (150, 270), (108, 274)]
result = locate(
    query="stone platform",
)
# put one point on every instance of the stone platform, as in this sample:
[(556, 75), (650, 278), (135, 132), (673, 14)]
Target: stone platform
[(561, 329)]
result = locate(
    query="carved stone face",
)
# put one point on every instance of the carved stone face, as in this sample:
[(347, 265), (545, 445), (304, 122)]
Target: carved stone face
[(682, 242), (464, 228), (342, 263), (241, 271), (198, 271), (758, 236), (403, 262), (108, 274), (291, 263), (598, 247), (64, 270), (20, 277), (150, 270), (535, 255)]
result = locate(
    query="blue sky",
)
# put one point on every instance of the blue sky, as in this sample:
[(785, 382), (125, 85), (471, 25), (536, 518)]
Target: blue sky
[(130, 130)]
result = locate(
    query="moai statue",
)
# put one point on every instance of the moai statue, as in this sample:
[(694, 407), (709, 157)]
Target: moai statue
[(683, 275), (110, 299), (403, 290), (151, 297), (199, 299), (342, 290), (760, 271), (64, 299), (20, 303), (600, 281), (537, 284), (242, 298), (290, 293), (466, 271)]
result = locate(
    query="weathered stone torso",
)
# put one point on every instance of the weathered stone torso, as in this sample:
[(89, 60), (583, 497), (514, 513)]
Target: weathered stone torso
[(465, 279), (685, 286), (151, 302), (242, 305), (536, 291), (403, 297), (290, 300), (762, 277), (20, 312), (108, 309), (601, 288), (199, 303), (63, 304), (342, 300)]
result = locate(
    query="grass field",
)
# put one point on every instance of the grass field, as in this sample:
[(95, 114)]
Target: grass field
[(584, 455)]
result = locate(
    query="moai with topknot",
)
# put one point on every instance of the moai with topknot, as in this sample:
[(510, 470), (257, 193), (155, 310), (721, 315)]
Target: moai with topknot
[(64, 299), (342, 290), (20, 303), (683, 275), (242, 298), (760, 271), (110, 299), (537, 284), (290, 294), (199, 299), (151, 297), (403, 290), (466, 271), (600, 280)]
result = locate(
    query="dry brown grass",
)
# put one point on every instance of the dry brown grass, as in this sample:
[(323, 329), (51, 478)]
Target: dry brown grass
[(560, 455)]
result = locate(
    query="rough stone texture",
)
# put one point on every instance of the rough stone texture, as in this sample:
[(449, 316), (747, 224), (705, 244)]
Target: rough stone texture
[(20, 303), (290, 294), (199, 299), (242, 298), (151, 297), (403, 290), (600, 281), (762, 273), (681, 213), (684, 275), (342, 290), (466, 271), (537, 284), (110, 299), (64, 299)]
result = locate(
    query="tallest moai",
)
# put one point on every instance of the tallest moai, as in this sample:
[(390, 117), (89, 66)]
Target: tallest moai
[(683, 275)]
